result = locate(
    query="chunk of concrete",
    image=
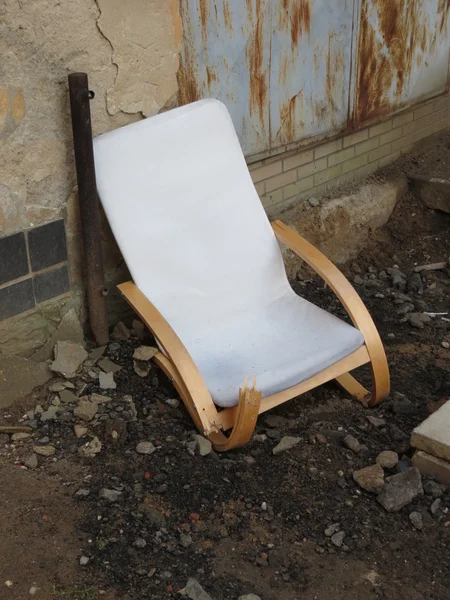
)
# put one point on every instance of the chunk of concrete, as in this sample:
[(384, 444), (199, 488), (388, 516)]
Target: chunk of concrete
[(69, 330), (400, 490), (432, 466), (433, 435), (19, 377), (433, 192), (68, 358)]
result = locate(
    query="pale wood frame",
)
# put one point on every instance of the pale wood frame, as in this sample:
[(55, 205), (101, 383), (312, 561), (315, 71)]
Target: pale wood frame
[(176, 362)]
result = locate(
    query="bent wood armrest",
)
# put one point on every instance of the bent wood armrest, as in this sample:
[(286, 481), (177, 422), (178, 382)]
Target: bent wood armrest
[(349, 298), (177, 353)]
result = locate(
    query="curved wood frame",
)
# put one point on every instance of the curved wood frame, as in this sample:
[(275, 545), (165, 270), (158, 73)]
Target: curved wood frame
[(354, 306), (176, 362)]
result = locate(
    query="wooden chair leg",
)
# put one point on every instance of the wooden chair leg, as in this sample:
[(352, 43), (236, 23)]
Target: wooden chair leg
[(247, 414), (246, 411), (348, 383)]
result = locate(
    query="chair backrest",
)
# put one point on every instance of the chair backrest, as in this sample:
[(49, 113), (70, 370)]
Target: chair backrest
[(184, 211)]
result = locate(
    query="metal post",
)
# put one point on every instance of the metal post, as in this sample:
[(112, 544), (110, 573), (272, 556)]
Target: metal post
[(89, 209)]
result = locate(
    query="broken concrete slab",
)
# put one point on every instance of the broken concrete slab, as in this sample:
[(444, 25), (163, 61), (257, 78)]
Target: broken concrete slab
[(433, 192), (19, 377), (432, 466), (68, 358), (433, 435), (400, 490), (69, 330)]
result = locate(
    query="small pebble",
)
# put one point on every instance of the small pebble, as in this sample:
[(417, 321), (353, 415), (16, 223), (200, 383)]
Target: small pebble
[(145, 448), (352, 444), (446, 345), (33, 590), (416, 520), (387, 459), (84, 561)]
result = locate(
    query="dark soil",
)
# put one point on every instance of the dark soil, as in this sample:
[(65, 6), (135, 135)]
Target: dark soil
[(247, 521)]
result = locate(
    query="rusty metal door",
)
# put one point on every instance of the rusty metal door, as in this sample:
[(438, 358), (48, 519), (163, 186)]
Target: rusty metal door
[(310, 68), (226, 55), (402, 55)]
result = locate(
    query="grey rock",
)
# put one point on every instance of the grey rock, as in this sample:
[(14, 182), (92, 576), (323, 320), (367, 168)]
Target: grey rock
[(286, 443), (395, 272), (86, 410), (370, 478), (82, 493), (274, 421), (185, 540), (91, 448), (416, 520), (173, 402), (108, 366), (194, 591), (120, 333), (20, 437), (84, 561), (403, 406), (352, 444), (418, 320), (397, 434), (145, 353), (67, 397), (204, 446), (110, 495), (431, 488), (399, 283), (273, 434), (145, 448), (338, 539), (68, 358), (139, 543), (141, 368), (80, 430), (50, 414), (358, 280), (421, 305), (99, 398), (4, 439), (445, 345), (97, 353), (106, 381), (69, 330), (414, 284), (435, 506), (31, 461), (332, 529), (405, 308), (314, 202), (250, 596), (387, 459), (44, 450), (138, 329), (375, 421), (400, 490)]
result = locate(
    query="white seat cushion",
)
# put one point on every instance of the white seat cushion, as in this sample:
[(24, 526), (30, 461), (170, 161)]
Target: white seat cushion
[(190, 225)]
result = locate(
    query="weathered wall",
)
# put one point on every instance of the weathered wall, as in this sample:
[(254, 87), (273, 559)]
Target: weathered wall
[(131, 52)]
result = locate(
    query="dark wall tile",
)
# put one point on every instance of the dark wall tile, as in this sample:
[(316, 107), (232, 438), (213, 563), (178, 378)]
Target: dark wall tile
[(16, 299), (51, 284), (13, 257), (47, 245)]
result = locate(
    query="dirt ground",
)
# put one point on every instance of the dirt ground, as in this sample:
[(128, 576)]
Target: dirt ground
[(245, 521)]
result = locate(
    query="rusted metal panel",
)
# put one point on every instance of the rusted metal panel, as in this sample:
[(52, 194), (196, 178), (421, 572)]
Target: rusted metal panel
[(310, 68), (226, 55), (294, 70), (402, 55)]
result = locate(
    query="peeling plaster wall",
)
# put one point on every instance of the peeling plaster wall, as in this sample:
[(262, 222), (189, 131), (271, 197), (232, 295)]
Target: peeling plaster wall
[(130, 51)]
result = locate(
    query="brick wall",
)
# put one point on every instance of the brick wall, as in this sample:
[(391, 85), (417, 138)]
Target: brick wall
[(283, 180)]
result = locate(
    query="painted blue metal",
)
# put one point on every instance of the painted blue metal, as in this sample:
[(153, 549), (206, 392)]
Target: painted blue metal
[(310, 69), (298, 70)]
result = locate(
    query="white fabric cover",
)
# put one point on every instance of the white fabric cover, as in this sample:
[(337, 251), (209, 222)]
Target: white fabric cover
[(190, 225)]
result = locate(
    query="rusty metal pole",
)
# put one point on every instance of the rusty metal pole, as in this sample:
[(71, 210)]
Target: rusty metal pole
[(89, 209)]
